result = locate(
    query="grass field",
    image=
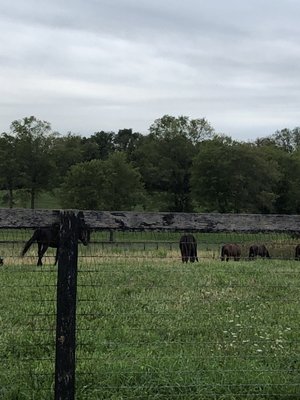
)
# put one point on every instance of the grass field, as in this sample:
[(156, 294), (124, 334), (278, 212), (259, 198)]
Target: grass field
[(45, 199), (149, 327)]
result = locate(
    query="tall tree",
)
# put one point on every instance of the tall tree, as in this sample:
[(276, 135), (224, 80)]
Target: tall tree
[(287, 187), (165, 166), (124, 189), (83, 186), (168, 127), (67, 151), (105, 143), (228, 176), (34, 143), (112, 184), (165, 158), (9, 166), (286, 139), (127, 141)]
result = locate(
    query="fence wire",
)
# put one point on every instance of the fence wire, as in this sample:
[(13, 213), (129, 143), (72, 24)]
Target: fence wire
[(152, 327)]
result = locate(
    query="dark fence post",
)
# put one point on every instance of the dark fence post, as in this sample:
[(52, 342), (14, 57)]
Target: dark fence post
[(66, 307)]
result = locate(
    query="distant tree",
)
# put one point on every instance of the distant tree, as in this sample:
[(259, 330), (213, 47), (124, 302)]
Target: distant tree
[(127, 141), (83, 185), (288, 185), (105, 143), (9, 167), (90, 149), (293, 193), (124, 189), (112, 184), (34, 141), (228, 176), (169, 127), (67, 151), (165, 167), (286, 139)]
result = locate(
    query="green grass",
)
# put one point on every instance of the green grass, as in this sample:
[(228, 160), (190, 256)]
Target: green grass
[(45, 199), (152, 328), (194, 332)]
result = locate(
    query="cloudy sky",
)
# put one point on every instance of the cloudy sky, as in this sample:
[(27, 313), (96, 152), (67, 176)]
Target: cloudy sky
[(90, 65)]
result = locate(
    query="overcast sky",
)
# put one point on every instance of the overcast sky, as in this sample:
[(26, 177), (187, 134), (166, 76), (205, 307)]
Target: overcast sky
[(90, 65)]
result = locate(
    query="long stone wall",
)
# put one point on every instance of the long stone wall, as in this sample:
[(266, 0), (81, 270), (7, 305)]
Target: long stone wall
[(142, 221)]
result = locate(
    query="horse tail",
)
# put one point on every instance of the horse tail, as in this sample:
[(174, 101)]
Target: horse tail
[(29, 243)]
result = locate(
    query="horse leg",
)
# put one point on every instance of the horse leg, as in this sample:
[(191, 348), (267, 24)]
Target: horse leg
[(56, 256), (42, 248), (184, 252), (39, 263)]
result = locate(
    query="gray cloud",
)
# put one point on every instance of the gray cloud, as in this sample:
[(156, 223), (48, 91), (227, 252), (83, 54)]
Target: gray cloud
[(111, 64)]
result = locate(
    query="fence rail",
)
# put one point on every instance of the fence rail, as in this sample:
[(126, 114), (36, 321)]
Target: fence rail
[(138, 221)]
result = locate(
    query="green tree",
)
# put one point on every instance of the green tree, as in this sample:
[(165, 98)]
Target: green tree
[(34, 142), (165, 164), (228, 176), (287, 139), (293, 192), (67, 151), (112, 184), (127, 141), (9, 166), (123, 189), (165, 157), (169, 127), (288, 185), (83, 186), (105, 142)]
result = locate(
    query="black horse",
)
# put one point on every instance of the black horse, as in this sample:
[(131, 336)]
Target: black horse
[(258, 250), (230, 251), (297, 253), (188, 248), (49, 237)]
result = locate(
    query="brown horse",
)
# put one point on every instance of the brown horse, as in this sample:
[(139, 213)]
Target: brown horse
[(258, 250), (188, 248), (230, 251), (297, 253)]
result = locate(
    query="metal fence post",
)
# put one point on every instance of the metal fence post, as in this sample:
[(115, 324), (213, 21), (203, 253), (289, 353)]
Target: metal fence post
[(66, 307)]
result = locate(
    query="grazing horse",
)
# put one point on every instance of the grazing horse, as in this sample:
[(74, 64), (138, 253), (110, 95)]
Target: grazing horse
[(258, 250), (49, 237), (297, 253), (230, 251), (188, 248)]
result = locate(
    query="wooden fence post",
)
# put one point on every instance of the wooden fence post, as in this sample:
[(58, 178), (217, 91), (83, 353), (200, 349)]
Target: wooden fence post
[(66, 307)]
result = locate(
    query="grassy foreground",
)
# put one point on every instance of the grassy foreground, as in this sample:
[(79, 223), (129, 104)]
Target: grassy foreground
[(156, 329)]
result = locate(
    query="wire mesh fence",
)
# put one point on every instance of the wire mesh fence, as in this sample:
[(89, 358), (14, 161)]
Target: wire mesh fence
[(151, 327), (27, 322)]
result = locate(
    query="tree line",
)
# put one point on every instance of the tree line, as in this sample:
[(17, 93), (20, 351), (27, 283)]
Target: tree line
[(181, 165)]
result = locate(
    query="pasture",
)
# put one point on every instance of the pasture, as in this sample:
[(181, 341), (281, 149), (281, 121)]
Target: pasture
[(149, 327)]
